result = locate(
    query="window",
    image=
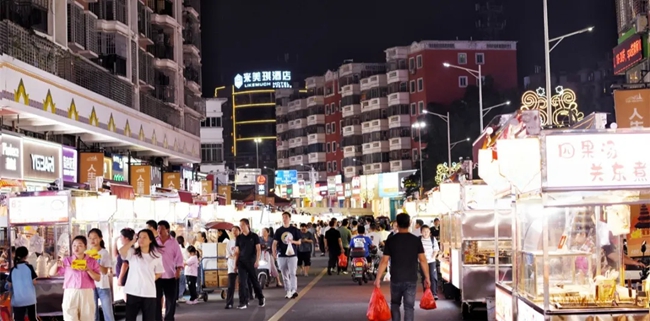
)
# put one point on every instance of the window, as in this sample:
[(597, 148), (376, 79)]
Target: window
[(413, 110), (341, 126), (327, 109), (411, 63), (419, 61), (462, 58), (329, 167), (334, 166), (333, 147), (421, 107), (462, 81), (327, 147), (415, 154), (334, 108), (211, 122), (420, 84), (211, 153), (480, 58), (333, 127), (327, 126), (412, 85)]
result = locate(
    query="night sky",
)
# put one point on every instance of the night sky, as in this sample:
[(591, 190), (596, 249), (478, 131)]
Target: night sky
[(245, 35)]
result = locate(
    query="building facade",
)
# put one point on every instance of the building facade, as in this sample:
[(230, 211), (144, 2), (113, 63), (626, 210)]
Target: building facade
[(212, 156), (630, 56), (118, 74)]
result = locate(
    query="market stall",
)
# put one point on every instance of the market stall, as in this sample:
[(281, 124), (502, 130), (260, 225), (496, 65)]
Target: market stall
[(450, 237), (574, 188), (48, 239)]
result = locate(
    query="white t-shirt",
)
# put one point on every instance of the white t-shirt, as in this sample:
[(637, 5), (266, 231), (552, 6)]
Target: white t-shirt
[(230, 254), (106, 261), (376, 238), (141, 281)]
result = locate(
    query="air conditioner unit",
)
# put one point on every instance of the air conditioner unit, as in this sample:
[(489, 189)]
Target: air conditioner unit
[(641, 23)]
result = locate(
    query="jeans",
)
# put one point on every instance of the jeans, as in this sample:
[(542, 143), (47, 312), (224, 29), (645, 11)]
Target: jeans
[(433, 276), (230, 293), (288, 267), (136, 304), (247, 274), (402, 292), (182, 283), (106, 299), (167, 288)]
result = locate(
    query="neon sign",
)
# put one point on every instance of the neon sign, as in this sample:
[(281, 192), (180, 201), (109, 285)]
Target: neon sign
[(263, 79), (628, 53)]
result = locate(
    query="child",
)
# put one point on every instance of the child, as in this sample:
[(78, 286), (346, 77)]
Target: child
[(103, 287), (21, 280), (81, 273), (191, 273)]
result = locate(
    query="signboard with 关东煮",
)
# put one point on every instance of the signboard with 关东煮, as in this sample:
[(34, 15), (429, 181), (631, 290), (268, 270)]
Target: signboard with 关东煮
[(596, 160), (263, 79)]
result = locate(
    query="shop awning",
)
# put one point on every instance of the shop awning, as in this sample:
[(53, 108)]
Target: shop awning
[(124, 192), (186, 197), (335, 210), (592, 121)]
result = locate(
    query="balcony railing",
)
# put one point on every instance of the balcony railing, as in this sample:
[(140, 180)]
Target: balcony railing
[(146, 65), (162, 51), (165, 93), (192, 125), (164, 7), (192, 73), (32, 14), (194, 102), (159, 110), (114, 10), (196, 4), (192, 37), (144, 21)]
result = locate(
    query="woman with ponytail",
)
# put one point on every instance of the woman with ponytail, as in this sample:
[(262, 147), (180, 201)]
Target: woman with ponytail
[(21, 280), (98, 251)]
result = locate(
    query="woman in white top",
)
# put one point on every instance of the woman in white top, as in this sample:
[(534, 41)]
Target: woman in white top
[(103, 286), (232, 269), (431, 249), (145, 267)]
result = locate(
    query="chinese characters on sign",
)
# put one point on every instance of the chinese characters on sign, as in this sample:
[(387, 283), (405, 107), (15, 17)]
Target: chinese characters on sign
[(628, 53), (632, 107), (263, 79), (584, 162)]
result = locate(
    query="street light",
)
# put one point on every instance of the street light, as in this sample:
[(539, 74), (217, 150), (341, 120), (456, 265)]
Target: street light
[(487, 110), (257, 150), (477, 74), (419, 125), (456, 143), (446, 120), (312, 179), (547, 59)]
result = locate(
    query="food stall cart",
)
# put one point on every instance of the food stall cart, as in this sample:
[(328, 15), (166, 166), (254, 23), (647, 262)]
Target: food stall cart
[(573, 188), (450, 238), (474, 258), (42, 223)]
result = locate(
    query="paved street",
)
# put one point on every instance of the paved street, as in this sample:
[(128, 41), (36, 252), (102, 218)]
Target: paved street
[(322, 297)]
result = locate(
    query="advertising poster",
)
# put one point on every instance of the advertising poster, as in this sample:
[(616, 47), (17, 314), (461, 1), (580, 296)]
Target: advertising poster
[(141, 179), (632, 107), (91, 166), (172, 180)]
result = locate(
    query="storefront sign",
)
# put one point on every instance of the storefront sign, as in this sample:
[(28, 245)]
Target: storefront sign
[(23, 210), (141, 179), (628, 53), (632, 108), (600, 161), (261, 184), (91, 166), (172, 180), (206, 187), (12, 150), (70, 158), (41, 160), (356, 186), (263, 79), (503, 305), (331, 185)]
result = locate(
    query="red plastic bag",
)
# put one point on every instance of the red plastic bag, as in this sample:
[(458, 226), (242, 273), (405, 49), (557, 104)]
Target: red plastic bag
[(428, 302), (343, 261), (378, 309)]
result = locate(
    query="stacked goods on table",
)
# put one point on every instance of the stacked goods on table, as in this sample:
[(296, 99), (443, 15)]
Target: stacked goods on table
[(222, 266)]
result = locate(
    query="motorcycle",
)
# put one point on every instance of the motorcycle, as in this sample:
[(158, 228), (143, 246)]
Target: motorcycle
[(359, 265)]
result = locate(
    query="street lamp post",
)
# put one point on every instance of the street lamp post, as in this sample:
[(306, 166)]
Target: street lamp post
[(445, 118), (479, 76), (312, 178), (419, 126), (257, 150)]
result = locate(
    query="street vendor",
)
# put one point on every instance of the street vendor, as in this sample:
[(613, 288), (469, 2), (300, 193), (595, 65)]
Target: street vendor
[(611, 250)]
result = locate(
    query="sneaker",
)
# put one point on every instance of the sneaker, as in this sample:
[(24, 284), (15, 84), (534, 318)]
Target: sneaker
[(435, 297), (295, 295), (181, 300), (345, 272), (262, 302), (242, 306), (289, 295), (229, 306)]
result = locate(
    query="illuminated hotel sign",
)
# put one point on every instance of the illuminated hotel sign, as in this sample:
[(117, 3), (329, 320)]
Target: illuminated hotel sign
[(627, 54), (263, 79)]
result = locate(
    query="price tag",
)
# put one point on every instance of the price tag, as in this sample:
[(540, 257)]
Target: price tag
[(79, 265)]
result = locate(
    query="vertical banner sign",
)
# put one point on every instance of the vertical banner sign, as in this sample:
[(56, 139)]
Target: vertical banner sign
[(140, 179), (91, 166), (261, 182), (206, 187), (171, 180), (70, 159), (11, 159), (632, 108), (225, 191)]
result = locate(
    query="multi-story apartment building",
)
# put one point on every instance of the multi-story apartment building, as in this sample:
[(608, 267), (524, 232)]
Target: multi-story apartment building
[(369, 107), (212, 161), (630, 56), (118, 73)]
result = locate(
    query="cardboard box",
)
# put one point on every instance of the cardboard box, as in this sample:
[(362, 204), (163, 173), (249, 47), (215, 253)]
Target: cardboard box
[(222, 264), (211, 279), (221, 249), (223, 281)]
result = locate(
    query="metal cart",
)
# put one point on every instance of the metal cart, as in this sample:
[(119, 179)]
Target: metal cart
[(203, 290)]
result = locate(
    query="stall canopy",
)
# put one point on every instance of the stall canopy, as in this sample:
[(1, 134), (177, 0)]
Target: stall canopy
[(592, 121), (186, 197), (122, 191)]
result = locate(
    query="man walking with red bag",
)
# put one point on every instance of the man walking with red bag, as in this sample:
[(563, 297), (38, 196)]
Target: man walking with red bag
[(405, 251)]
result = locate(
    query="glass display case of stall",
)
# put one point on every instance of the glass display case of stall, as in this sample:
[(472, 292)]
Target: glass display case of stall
[(40, 222)]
